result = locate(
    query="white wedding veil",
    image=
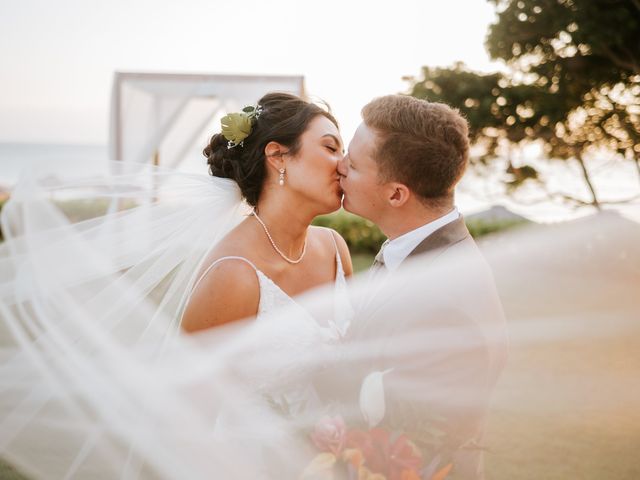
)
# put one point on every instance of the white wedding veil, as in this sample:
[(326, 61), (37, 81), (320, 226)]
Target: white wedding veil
[(96, 380), (104, 288)]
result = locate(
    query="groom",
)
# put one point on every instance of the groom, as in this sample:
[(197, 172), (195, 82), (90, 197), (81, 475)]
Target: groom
[(400, 172)]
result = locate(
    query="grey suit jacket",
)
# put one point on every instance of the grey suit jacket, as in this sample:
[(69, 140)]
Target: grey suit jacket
[(441, 329)]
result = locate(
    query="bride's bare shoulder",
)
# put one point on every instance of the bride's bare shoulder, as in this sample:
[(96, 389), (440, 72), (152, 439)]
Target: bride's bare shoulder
[(330, 240), (226, 289), (229, 290)]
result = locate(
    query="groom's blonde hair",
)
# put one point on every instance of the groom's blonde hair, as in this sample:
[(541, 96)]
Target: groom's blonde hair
[(423, 145)]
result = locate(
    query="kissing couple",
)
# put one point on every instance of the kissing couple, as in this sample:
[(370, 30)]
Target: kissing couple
[(88, 305), (399, 171)]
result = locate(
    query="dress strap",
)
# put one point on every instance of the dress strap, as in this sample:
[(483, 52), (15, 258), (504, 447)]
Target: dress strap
[(204, 274), (339, 269)]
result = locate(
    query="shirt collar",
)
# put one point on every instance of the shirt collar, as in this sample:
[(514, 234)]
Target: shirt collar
[(399, 248)]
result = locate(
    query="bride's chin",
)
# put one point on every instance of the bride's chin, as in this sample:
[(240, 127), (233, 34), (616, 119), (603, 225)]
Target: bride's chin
[(332, 206), (338, 202)]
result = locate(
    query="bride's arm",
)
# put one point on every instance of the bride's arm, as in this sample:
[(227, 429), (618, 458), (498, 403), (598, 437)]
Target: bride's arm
[(229, 291)]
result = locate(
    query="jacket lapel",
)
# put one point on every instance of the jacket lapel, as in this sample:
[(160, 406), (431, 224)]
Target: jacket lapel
[(446, 236)]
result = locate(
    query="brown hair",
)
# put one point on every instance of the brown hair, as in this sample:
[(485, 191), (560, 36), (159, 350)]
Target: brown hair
[(284, 119), (421, 144)]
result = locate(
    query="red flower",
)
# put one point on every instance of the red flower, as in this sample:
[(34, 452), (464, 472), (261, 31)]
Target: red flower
[(390, 455)]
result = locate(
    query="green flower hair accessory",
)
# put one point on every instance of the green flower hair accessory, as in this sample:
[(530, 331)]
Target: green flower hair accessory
[(237, 126)]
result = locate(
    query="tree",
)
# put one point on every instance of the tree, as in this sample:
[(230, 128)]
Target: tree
[(572, 84)]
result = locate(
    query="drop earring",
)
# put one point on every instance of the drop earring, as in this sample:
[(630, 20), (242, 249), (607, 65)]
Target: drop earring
[(281, 179)]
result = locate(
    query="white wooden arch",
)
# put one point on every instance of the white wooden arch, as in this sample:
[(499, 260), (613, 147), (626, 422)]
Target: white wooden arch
[(160, 115)]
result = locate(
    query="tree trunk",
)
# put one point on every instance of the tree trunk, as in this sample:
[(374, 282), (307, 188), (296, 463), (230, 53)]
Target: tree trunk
[(587, 180), (637, 160)]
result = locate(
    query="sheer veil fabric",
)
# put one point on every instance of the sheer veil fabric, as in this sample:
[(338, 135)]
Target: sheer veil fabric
[(81, 299), (96, 380)]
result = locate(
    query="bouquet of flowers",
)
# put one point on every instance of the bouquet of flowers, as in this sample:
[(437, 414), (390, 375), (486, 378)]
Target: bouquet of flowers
[(373, 454)]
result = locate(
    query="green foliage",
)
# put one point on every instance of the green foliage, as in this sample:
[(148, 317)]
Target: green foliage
[(589, 42), (362, 261), (236, 127), (573, 84), (361, 235), (585, 54)]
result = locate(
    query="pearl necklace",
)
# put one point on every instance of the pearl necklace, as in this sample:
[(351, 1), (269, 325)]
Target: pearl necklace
[(304, 248)]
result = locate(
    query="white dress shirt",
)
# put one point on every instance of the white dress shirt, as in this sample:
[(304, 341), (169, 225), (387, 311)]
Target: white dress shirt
[(396, 250)]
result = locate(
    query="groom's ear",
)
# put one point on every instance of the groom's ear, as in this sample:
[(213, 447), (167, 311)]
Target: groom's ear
[(399, 194)]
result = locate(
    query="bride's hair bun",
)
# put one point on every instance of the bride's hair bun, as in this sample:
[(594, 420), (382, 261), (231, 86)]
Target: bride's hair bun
[(223, 161), (283, 119)]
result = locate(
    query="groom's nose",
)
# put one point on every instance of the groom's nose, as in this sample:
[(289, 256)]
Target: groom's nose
[(342, 171)]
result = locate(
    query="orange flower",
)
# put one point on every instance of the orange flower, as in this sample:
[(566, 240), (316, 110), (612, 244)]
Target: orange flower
[(442, 473), (410, 475), (391, 456), (353, 456)]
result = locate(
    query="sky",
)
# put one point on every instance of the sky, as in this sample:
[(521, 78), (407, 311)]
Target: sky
[(58, 58)]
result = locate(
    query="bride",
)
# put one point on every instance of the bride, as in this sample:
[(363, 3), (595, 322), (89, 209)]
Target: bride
[(91, 308), (286, 168)]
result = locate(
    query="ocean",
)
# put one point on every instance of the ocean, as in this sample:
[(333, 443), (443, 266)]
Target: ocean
[(17, 157)]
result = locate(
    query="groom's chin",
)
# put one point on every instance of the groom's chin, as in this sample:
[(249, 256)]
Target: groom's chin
[(345, 205), (349, 207)]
